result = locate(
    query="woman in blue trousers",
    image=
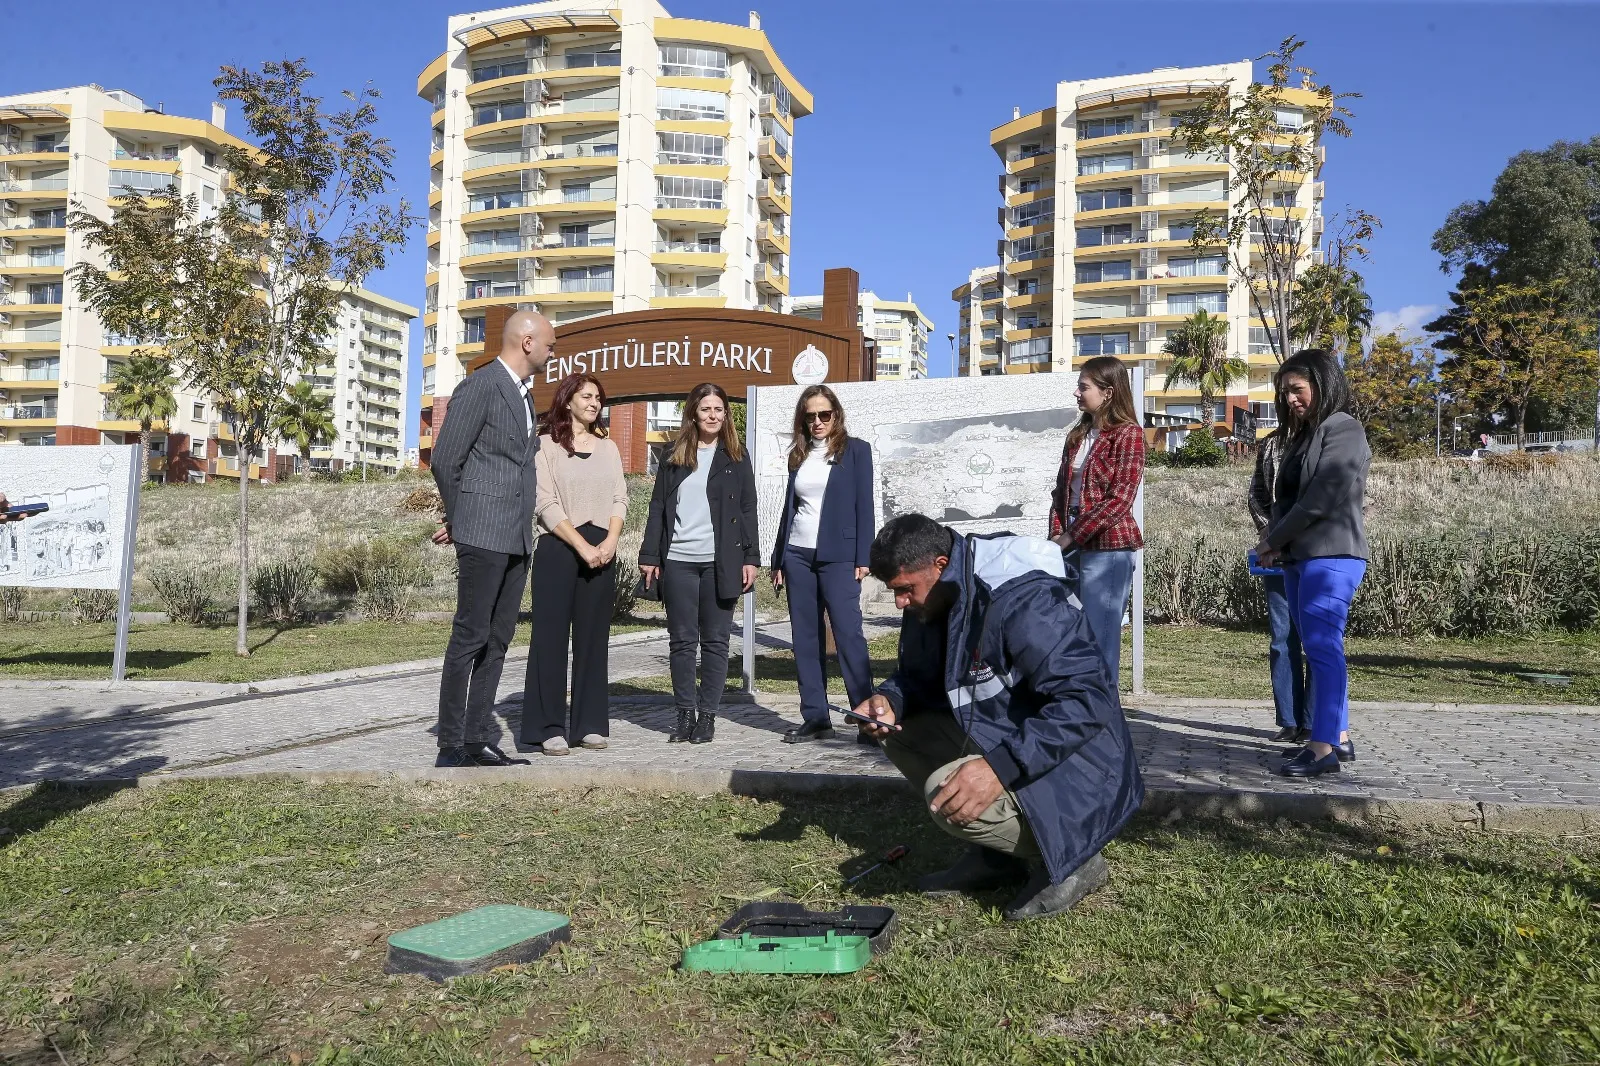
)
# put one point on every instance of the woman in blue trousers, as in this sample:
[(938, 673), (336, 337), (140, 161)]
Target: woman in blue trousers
[(1318, 536), (820, 557)]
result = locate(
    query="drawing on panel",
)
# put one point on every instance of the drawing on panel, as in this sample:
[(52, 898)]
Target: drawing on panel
[(978, 474), (71, 540)]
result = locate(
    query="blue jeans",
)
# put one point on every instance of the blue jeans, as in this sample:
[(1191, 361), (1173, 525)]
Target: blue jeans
[(1105, 578), (1320, 591), (1287, 664)]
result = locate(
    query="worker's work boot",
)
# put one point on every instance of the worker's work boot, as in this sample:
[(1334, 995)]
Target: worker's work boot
[(1040, 899), (978, 869)]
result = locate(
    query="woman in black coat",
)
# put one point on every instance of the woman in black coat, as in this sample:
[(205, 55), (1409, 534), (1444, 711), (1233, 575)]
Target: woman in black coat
[(700, 545)]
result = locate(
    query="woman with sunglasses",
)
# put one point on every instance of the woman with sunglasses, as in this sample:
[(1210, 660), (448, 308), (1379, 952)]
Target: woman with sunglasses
[(820, 557)]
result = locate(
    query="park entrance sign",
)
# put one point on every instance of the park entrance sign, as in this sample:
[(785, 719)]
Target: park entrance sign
[(663, 353)]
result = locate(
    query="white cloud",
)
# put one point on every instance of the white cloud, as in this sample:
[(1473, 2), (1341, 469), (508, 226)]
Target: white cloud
[(1408, 320)]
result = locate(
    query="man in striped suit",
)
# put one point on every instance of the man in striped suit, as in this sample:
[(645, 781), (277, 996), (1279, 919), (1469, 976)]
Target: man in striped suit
[(483, 465)]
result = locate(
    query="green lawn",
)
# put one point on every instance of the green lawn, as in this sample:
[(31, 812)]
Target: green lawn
[(244, 923), (1232, 664), (205, 653)]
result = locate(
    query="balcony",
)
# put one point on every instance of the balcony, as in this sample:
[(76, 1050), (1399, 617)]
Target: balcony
[(690, 247), (772, 235), (690, 159), (28, 412), (37, 335), (686, 290), (772, 106), (13, 146), (34, 185), (29, 260), (770, 279), (25, 374), (578, 151), (21, 222), (773, 154), (690, 114), (774, 194), (687, 203), (480, 160)]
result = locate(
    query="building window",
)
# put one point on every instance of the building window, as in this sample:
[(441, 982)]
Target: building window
[(689, 149), (1106, 270), (587, 279), (1027, 286), (505, 68), (1105, 164), (198, 413), (211, 159), (1036, 350), (1033, 214), (1092, 236), (495, 200), (472, 331), (197, 447), (687, 61), (1102, 343), (1029, 185), (1197, 266), (1187, 303), (704, 194), (1105, 127), (692, 105), (1101, 199)]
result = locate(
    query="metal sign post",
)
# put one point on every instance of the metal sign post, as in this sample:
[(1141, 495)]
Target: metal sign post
[(1138, 559), (130, 537), (748, 641)]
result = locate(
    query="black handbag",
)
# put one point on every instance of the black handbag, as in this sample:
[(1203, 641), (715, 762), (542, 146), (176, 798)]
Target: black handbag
[(641, 591)]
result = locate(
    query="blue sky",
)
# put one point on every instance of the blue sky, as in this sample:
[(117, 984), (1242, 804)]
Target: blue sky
[(894, 175)]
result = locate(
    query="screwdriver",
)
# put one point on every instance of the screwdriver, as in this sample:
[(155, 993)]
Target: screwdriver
[(893, 855)]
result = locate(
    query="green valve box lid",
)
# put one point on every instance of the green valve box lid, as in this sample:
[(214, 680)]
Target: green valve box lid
[(476, 941), (829, 953)]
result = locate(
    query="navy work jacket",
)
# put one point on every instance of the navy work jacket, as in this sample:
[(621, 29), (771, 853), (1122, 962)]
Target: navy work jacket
[(1030, 689)]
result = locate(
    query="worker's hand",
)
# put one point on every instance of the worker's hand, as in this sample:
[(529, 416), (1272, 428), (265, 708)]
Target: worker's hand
[(442, 534), (881, 711), (967, 793), (748, 575)]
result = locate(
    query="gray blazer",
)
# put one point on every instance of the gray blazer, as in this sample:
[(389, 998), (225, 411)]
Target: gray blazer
[(483, 463), (1324, 518)]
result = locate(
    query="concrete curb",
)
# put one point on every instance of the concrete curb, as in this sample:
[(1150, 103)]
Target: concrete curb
[(1533, 819), (1152, 701)]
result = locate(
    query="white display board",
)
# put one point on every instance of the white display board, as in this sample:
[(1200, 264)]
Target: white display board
[(977, 454), (86, 539)]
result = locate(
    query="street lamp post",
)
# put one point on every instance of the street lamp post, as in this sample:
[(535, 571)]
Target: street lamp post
[(955, 367), (1438, 424)]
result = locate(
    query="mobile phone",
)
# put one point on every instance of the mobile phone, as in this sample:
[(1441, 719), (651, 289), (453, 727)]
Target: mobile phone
[(854, 717), (26, 510)]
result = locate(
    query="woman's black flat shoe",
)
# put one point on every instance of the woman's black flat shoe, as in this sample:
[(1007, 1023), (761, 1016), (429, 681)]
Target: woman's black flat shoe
[(1306, 764), (1286, 734)]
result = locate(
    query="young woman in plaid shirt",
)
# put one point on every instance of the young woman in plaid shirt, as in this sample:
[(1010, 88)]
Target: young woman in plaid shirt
[(1091, 511)]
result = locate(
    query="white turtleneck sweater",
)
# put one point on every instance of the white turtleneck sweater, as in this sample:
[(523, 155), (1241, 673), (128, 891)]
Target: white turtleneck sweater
[(810, 483)]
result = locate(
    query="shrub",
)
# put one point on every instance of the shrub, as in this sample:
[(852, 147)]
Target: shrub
[(94, 605), (1162, 459), (11, 599), (387, 575), (188, 592), (424, 499), (1200, 448), (337, 567), (283, 590)]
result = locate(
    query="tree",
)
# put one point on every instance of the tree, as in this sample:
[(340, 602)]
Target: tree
[(1393, 394), (1271, 154), (1200, 360), (142, 390), (1541, 222), (305, 417), (1330, 308), (247, 296), (1514, 346)]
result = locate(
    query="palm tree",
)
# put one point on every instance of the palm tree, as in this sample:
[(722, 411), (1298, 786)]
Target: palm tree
[(1200, 360), (142, 390), (305, 416), (1331, 308)]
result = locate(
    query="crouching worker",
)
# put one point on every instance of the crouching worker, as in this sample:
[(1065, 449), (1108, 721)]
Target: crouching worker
[(1001, 711)]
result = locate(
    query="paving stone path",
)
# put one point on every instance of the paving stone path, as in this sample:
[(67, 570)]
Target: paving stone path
[(1537, 756)]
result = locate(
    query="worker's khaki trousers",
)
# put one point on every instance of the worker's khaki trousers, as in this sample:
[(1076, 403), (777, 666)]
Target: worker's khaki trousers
[(929, 748)]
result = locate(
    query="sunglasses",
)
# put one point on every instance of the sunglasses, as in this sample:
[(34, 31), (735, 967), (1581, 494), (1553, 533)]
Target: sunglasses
[(819, 416)]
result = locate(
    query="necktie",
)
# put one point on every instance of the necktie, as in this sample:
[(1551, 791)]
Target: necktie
[(532, 413)]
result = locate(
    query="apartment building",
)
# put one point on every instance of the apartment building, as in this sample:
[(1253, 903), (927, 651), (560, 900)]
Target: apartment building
[(83, 148), (978, 330), (897, 328), (609, 158), (1096, 256), (364, 376)]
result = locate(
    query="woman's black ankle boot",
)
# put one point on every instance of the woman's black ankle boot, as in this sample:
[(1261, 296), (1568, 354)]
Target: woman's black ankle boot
[(705, 727), (684, 728)]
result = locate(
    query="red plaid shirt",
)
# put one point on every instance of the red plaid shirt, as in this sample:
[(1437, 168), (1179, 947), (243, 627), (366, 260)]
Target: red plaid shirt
[(1111, 478)]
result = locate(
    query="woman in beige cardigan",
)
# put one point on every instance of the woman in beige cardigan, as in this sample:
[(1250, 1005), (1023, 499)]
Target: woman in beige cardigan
[(582, 500)]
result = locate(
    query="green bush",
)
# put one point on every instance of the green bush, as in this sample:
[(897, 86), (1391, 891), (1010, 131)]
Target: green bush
[(386, 573), (283, 590), (1450, 584), (1200, 448), (94, 606), (189, 592)]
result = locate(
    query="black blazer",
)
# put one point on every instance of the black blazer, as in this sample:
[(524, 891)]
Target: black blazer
[(731, 491), (846, 526)]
